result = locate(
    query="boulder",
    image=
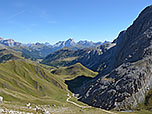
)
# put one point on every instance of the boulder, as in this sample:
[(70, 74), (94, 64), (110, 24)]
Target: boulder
[(1, 99)]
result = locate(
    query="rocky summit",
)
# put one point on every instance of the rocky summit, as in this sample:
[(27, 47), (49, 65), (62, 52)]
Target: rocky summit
[(125, 78), (9, 42)]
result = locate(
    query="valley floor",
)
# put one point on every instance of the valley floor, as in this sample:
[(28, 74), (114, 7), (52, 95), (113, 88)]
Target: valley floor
[(69, 107)]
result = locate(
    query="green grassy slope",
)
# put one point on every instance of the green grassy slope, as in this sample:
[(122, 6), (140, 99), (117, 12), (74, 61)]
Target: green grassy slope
[(60, 57), (148, 101), (22, 81), (64, 57), (7, 54), (73, 71), (74, 75)]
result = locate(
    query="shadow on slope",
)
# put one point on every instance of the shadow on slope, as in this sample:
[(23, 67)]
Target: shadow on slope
[(77, 82)]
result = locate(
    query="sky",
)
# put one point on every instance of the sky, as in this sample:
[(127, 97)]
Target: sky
[(57, 20)]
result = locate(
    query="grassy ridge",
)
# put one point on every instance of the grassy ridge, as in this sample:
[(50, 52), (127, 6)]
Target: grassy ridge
[(25, 81), (74, 76), (6, 55), (73, 71), (64, 57), (22, 81)]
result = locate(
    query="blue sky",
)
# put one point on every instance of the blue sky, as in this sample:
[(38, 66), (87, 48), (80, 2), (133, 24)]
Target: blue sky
[(53, 20)]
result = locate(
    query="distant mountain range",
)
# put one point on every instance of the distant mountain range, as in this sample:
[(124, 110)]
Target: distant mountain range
[(87, 56), (68, 43), (41, 50), (124, 66)]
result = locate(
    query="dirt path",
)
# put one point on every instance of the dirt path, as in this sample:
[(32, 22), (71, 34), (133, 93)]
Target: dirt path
[(68, 100), (69, 97)]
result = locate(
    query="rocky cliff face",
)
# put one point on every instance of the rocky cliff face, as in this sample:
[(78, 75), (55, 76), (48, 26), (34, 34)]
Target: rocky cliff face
[(92, 57), (126, 69)]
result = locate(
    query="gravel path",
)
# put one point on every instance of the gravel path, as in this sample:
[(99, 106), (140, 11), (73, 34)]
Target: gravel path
[(68, 100)]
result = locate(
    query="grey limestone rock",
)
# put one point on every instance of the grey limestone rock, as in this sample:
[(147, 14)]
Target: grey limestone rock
[(127, 76)]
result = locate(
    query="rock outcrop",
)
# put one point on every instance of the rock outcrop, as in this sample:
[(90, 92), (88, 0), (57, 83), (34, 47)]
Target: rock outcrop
[(1, 99), (126, 69), (9, 42)]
